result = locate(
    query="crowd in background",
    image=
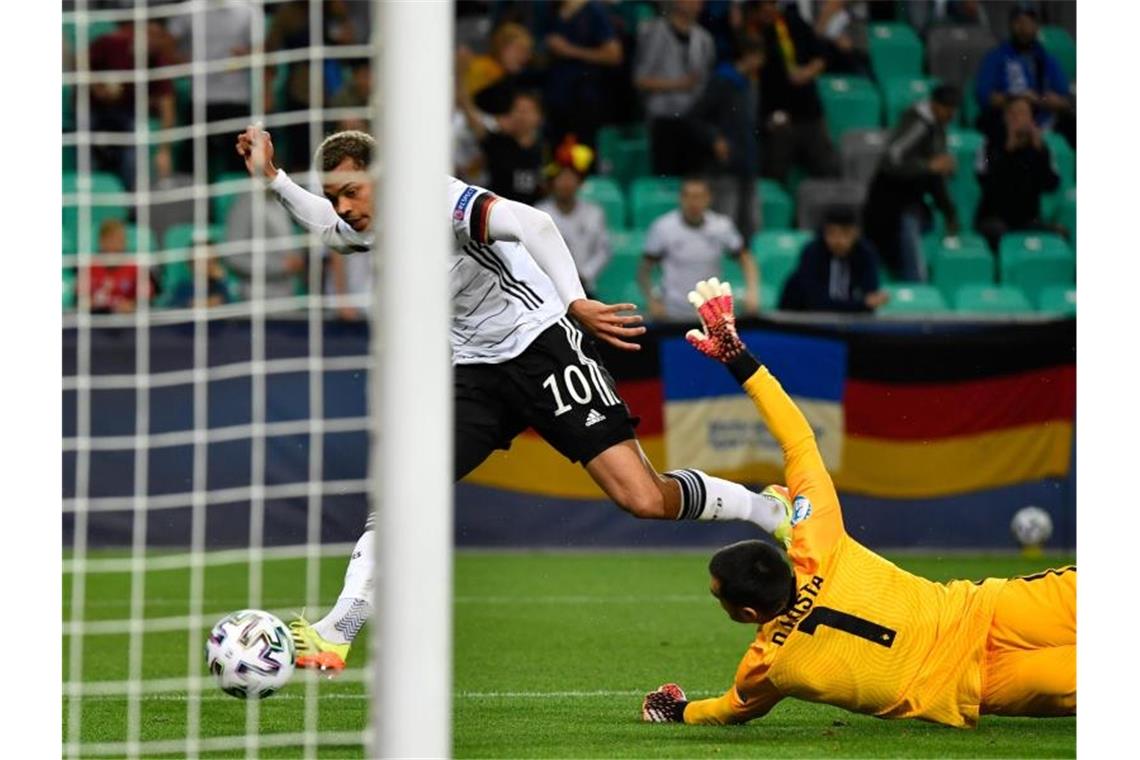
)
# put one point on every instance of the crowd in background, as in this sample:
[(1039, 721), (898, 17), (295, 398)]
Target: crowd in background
[(727, 91)]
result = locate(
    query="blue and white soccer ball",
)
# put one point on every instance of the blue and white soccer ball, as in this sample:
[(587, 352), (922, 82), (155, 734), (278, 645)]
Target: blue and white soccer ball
[(1031, 526), (250, 653)]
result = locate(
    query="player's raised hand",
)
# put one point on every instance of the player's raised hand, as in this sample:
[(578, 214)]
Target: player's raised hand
[(256, 147), (665, 705), (606, 322), (717, 339)]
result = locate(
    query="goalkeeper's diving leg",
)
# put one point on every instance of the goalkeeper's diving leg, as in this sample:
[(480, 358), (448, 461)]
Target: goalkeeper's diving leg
[(324, 645)]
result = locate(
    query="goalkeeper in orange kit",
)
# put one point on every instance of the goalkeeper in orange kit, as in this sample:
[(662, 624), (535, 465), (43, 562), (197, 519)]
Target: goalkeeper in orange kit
[(838, 624)]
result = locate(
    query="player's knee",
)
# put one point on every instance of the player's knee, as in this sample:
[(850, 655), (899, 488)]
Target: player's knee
[(646, 503)]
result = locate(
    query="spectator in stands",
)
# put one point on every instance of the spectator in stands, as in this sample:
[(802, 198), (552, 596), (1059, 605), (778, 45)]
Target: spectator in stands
[(220, 286), (838, 270), (725, 116), (283, 261), (675, 56), (724, 20), (689, 244), (356, 92), (490, 79), (581, 222), (915, 163), (114, 288), (1022, 66), (228, 30), (512, 146), (839, 24), (790, 110), (584, 50), (1014, 169), (113, 103)]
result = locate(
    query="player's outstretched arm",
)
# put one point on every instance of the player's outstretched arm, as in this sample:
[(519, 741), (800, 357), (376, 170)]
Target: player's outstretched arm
[(803, 465), (309, 210), (517, 222)]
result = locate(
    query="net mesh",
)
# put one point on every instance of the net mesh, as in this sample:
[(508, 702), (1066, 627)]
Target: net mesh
[(214, 400)]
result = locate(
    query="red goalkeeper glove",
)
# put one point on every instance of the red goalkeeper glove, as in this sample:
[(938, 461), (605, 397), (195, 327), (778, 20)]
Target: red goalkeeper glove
[(718, 339), (666, 705)]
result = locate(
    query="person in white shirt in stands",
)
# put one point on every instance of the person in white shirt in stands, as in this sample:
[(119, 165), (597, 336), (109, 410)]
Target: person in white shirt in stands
[(689, 244), (581, 222)]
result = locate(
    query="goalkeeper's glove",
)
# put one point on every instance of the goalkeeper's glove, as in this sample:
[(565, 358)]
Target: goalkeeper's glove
[(718, 339), (665, 705)]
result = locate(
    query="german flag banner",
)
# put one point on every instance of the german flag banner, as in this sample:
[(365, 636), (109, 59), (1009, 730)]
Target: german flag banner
[(899, 410)]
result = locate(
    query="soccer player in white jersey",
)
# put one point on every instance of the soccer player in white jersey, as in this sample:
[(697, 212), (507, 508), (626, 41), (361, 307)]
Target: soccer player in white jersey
[(520, 359)]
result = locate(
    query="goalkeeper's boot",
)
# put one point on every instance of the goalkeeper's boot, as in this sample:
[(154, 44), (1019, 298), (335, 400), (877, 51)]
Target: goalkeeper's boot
[(315, 652), (783, 497)]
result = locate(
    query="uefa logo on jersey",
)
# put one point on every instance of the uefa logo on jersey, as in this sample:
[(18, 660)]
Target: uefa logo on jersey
[(461, 204), (801, 510)]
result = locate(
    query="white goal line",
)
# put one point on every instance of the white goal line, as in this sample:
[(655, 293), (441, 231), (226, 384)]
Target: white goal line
[(81, 689)]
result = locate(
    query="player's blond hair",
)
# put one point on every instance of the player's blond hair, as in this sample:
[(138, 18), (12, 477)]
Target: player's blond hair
[(350, 143)]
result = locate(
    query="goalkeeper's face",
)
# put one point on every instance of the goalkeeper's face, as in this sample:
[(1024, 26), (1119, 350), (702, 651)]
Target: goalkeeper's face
[(349, 189)]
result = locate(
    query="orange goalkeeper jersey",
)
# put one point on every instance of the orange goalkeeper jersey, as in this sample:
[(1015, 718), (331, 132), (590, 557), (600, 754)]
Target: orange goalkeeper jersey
[(863, 634)]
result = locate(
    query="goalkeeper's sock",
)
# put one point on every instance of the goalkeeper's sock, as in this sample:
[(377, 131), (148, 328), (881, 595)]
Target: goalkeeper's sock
[(354, 606), (704, 497)]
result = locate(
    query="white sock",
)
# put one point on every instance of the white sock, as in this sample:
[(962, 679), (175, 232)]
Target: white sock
[(704, 497), (354, 606)]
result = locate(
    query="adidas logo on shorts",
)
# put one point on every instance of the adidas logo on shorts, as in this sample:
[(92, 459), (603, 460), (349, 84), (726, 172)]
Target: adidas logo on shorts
[(593, 418)]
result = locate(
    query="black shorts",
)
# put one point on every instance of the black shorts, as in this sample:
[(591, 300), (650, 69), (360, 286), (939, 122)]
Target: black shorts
[(557, 385)]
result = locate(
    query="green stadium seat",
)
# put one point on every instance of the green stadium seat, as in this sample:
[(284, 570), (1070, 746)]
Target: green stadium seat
[(776, 208), (900, 93), (1061, 44), (650, 197), (964, 145), (1035, 272), (1058, 299), (958, 261), (69, 294), (909, 298), (623, 153), (778, 254), (849, 103), (769, 298), (991, 299), (1066, 214), (968, 114), (895, 50), (1017, 246), (1065, 162), (231, 185), (605, 192), (627, 242), (618, 281), (101, 183), (732, 273)]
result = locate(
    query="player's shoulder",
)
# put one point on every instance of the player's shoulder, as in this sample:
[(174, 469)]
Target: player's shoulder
[(461, 196)]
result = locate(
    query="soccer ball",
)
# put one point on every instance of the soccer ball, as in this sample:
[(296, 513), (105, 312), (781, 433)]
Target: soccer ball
[(251, 654), (1031, 526)]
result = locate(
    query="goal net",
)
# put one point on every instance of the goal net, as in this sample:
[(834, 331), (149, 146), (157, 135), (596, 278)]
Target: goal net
[(216, 388)]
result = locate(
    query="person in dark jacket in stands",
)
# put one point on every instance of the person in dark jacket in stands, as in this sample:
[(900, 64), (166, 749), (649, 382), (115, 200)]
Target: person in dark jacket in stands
[(914, 164), (838, 270), (1014, 169), (725, 117)]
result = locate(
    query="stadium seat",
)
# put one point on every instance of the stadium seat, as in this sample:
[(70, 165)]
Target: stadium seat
[(69, 295), (860, 151), (178, 239), (181, 236), (1060, 43), (1058, 299), (627, 242), (618, 281), (895, 51), (650, 197), (814, 196), (849, 103), (953, 53), (769, 297), (1015, 247), (964, 145), (899, 93), (777, 254), (225, 192), (101, 183), (968, 114), (910, 298), (958, 261), (623, 153), (1033, 272), (775, 205), (1066, 214), (605, 192), (991, 299)]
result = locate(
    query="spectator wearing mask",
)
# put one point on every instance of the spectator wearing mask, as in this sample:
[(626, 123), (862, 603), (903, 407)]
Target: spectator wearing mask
[(675, 56), (1014, 170), (837, 271), (114, 288), (689, 244), (726, 117), (1021, 66), (512, 146), (791, 113), (584, 49), (914, 163), (581, 222)]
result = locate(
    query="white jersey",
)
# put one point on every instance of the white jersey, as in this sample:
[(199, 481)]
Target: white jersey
[(501, 299)]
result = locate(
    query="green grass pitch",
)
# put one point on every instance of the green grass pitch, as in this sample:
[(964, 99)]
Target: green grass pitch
[(552, 654)]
